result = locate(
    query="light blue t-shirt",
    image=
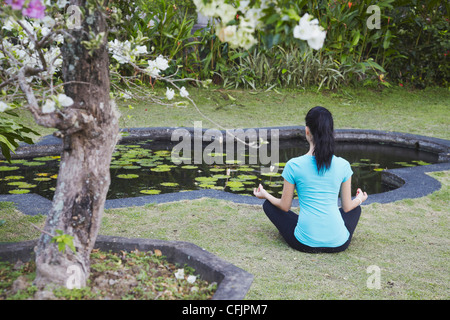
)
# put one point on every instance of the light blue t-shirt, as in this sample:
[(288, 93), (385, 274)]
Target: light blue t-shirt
[(319, 223)]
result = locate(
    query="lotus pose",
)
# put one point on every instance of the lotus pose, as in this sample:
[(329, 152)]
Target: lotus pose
[(318, 176)]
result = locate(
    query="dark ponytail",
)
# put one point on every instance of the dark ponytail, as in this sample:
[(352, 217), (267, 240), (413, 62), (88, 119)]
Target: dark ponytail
[(320, 122)]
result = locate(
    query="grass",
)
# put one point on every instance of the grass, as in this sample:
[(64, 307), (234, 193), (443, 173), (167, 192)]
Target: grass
[(418, 112), (408, 239), (424, 112)]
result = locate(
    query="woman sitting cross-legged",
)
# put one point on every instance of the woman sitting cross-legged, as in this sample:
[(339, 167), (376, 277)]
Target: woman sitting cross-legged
[(318, 176)]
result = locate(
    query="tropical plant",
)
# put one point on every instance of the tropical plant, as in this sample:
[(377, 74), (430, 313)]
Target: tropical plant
[(12, 132), (423, 39)]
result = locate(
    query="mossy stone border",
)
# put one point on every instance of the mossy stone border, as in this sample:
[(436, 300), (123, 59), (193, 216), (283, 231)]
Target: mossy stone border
[(233, 283)]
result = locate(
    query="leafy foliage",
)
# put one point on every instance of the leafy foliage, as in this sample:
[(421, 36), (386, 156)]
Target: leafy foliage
[(64, 240), (423, 39), (11, 133)]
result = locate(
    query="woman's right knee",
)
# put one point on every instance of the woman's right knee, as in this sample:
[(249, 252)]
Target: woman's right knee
[(267, 205)]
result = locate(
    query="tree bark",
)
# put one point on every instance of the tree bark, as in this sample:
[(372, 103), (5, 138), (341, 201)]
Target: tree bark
[(83, 178)]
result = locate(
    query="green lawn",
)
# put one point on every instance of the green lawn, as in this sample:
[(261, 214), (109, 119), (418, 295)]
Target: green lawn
[(408, 239), (419, 112), (425, 112)]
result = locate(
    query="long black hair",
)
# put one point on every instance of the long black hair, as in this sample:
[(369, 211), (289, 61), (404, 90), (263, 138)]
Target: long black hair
[(320, 123)]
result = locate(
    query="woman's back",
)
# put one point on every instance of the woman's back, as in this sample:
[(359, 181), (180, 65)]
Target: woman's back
[(320, 223)]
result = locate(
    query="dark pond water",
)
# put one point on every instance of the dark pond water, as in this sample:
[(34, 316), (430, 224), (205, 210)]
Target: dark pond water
[(146, 167)]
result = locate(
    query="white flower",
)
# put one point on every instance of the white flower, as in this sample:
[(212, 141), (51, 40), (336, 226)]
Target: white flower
[(161, 63), (183, 92), (152, 69), (304, 29), (10, 24), (317, 42), (243, 5), (179, 274), (48, 22), (191, 279), (64, 100), (62, 3), (227, 34), (138, 50), (226, 12), (120, 50), (49, 106), (170, 93), (3, 106), (308, 29)]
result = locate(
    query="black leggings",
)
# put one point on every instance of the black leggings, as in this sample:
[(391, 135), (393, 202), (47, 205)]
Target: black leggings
[(287, 221)]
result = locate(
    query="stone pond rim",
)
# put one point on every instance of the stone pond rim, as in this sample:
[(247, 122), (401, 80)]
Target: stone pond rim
[(49, 145), (411, 182), (233, 283)]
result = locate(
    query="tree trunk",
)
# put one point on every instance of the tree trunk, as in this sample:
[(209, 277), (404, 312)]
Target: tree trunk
[(83, 178)]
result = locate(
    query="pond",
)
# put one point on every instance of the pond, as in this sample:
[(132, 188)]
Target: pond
[(145, 167)]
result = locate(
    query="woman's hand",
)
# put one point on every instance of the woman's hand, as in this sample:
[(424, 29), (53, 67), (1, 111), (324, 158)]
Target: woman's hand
[(260, 192), (361, 195)]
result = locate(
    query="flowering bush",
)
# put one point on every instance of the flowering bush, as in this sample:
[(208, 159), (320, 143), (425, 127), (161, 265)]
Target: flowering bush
[(34, 9), (238, 24)]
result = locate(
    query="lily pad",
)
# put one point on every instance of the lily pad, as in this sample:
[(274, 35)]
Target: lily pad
[(151, 191), (421, 163), (127, 176), (161, 168), (275, 185), (210, 186), (48, 158), (233, 161), (163, 153), (216, 154), (5, 168), (189, 167), (221, 176), (271, 174), (22, 184), (15, 161), (206, 180), (405, 164), (280, 164), (42, 179), (42, 174), (235, 184), (170, 184), (131, 167), (245, 168), (359, 164), (14, 177), (33, 163), (19, 191), (247, 177)]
